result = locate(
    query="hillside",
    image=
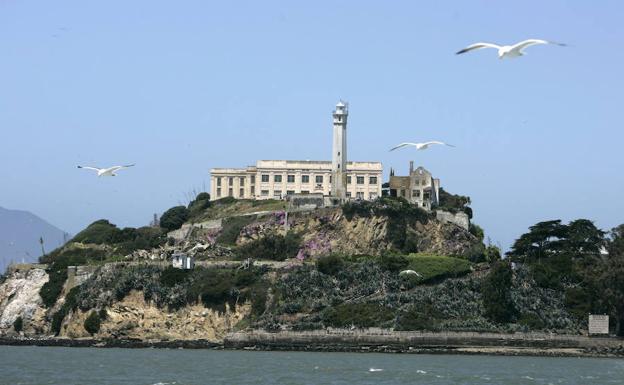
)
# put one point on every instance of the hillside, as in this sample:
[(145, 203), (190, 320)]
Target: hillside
[(383, 264), (20, 232)]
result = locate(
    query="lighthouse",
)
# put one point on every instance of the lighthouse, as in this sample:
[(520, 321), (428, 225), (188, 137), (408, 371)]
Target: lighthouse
[(339, 156)]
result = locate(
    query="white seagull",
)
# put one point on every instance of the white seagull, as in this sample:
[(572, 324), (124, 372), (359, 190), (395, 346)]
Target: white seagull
[(110, 171), (508, 51), (409, 272), (420, 146)]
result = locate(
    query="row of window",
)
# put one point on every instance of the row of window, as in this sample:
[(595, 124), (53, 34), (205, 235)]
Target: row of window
[(291, 179), (278, 193)]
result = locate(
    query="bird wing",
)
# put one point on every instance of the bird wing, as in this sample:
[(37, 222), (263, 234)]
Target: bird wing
[(437, 142), (529, 42), (475, 46), (403, 145), (90, 168), (116, 168)]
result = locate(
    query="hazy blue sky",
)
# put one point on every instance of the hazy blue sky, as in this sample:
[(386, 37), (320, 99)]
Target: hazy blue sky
[(179, 87)]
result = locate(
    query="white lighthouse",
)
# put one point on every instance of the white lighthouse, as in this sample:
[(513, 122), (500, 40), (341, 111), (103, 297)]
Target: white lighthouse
[(339, 156)]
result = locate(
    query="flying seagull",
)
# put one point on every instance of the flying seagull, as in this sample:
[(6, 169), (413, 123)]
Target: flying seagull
[(110, 171), (420, 146), (508, 51)]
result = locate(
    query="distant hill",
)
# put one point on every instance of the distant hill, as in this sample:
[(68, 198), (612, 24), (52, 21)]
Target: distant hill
[(19, 237)]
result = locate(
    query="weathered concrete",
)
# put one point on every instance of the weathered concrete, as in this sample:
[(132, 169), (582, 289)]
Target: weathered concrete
[(460, 219)]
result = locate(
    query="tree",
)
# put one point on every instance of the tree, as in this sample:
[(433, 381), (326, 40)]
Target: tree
[(542, 240), (92, 323), (612, 278), (174, 218), (496, 292), (454, 203), (583, 239)]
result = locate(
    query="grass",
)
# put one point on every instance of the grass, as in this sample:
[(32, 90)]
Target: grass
[(229, 207), (232, 227), (434, 268)]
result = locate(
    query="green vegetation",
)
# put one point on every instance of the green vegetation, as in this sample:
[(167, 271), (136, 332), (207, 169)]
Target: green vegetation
[(275, 247), (172, 276), (199, 204), (418, 318), (454, 203), (232, 227), (434, 268), (18, 324), (496, 291), (358, 314), (92, 323), (331, 264), (98, 232), (174, 218), (71, 303)]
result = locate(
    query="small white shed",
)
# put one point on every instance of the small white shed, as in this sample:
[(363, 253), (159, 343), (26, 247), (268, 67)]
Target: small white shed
[(182, 261)]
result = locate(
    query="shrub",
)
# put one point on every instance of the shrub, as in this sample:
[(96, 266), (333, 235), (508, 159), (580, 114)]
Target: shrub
[(199, 204), (18, 324), (434, 268), (172, 276), (92, 323), (358, 314), (416, 318), (174, 218), (272, 246), (51, 290), (393, 262), (331, 264), (98, 232), (532, 321), (232, 227), (496, 293)]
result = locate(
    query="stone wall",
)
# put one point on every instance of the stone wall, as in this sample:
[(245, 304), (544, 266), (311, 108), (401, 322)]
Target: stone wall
[(460, 219)]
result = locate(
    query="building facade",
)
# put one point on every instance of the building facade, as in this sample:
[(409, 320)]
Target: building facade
[(419, 187), (276, 179)]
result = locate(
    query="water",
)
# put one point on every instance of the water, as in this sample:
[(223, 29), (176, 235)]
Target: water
[(53, 365)]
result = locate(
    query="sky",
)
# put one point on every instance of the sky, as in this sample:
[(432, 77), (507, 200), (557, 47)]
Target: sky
[(179, 87)]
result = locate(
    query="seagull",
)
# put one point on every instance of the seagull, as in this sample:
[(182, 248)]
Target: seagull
[(420, 146), (508, 51), (409, 272), (106, 171)]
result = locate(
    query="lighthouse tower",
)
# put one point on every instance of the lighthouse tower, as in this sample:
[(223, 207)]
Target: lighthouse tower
[(339, 157)]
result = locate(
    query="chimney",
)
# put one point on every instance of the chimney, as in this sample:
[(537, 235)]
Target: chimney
[(411, 167)]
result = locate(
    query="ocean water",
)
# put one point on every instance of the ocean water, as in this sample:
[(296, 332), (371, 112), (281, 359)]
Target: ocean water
[(55, 365)]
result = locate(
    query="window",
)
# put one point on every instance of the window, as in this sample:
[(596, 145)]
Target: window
[(277, 178), (290, 179), (218, 192), (219, 181), (277, 194), (319, 179), (348, 180), (403, 193), (348, 194), (372, 180), (359, 195), (265, 177), (242, 181), (305, 178), (231, 181), (230, 192), (416, 193), (264, 193), (253, 191), (360, 180), (305, 192), (253, 179), (290, 192), (426, 195), (241, 192), (330, 179)]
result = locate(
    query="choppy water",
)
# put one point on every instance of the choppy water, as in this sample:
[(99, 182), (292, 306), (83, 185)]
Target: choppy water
[(52, 365)]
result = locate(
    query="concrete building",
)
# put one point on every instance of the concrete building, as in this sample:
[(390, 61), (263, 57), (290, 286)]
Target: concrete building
[(277, 179), (419, 187), (182, 261)]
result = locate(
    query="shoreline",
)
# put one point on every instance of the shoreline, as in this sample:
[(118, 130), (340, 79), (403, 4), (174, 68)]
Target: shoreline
[(464, 343)]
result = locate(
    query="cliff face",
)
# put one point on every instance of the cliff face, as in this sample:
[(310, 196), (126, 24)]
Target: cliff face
[(19, 297), (330, 231)]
